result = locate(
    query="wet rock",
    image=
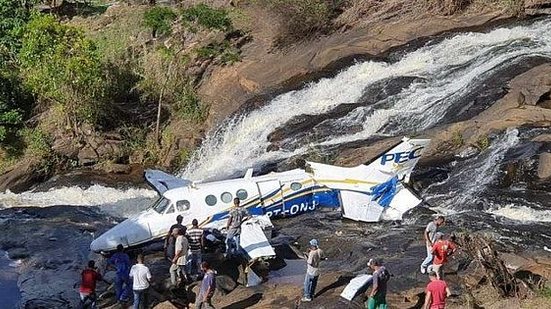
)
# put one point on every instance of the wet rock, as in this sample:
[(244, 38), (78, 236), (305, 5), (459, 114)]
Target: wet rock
[(21, 176), (544, 165), (532, 90)]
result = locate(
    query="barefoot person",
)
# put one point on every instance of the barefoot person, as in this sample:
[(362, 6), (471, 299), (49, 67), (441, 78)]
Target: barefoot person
[(430, 239), (436, 293)]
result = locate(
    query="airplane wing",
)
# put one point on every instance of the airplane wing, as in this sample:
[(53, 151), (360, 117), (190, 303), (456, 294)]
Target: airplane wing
[(163, 182)]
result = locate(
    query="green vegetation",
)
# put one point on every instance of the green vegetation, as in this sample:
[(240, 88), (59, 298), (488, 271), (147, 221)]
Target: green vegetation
[(457, 139), (159, 20), (208, 17), (225, 53), (59, 64), (483, 142)]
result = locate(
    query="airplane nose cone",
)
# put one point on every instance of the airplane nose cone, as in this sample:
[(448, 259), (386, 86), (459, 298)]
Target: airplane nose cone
[(130, 232)]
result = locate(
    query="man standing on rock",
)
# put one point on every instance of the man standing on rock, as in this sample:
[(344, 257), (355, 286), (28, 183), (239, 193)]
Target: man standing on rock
[(177, 269), (87, 289), (206, 291), (121, 263), (141, 278), (195, 235), (377, 297), (237, 216), (430, 239), (169, 240), (312, 270), (436, 293), (441, 249)]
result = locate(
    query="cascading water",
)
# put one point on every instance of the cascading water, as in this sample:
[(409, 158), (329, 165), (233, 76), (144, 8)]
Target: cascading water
[(467, 184), (446, 72)]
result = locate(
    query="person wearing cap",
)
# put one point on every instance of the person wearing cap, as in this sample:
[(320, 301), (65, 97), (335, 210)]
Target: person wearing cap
[(430, 239), (436, 293), (377, 296), (441, 249), (170, 239), (312, 270)]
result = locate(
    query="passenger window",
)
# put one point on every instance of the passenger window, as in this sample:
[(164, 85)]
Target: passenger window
[(242, 194), (210, 200), (296, 186), (182, 205), (226, 197), (170, 209)]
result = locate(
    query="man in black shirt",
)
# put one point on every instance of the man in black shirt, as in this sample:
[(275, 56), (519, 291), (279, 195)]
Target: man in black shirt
[(169, 240)]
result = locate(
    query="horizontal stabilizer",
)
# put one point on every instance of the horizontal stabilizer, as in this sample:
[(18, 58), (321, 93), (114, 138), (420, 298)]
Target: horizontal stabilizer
[(355, 286), (163, 182)]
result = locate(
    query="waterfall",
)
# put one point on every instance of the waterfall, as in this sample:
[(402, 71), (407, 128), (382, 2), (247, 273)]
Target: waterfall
[(445, 72)]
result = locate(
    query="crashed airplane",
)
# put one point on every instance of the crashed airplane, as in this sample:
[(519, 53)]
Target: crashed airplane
[(367, 193)]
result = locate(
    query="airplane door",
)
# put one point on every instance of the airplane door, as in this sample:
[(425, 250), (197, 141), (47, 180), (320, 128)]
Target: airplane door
[(270, 193)]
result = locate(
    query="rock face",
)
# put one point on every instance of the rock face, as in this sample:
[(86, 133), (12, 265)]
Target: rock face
[(544, 166), (21, 176), (263, 71)]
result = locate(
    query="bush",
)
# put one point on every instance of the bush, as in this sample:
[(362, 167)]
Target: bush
[(61, 65), (302, 19), (225, 53), (208, 17), (158, 19), (13, 17)]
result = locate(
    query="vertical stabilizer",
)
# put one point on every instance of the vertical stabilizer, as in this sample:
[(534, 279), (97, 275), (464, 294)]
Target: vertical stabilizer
[(401, 159)]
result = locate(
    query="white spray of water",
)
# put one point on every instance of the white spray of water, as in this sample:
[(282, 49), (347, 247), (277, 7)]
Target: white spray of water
[(470, 182), (522, 213), (91, 196), (449, 69)]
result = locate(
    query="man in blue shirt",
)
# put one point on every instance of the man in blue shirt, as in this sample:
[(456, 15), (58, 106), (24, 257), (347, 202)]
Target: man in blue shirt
[(120, 261)]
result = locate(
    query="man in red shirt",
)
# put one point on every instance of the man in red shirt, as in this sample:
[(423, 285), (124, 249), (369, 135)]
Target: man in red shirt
[(88, 286), (441, 250), (436, 293)]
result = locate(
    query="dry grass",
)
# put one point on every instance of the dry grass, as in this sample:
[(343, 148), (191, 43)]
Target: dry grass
[(366, 11)]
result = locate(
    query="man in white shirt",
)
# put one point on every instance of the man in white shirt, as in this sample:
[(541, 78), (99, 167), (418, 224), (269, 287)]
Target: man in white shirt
[(141, 277), (430, 238), (312, 271), (177, 269)]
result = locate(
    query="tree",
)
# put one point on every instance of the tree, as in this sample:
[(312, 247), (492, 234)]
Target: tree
[(60, 65)]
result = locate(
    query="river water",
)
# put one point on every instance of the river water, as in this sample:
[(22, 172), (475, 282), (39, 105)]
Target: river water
[(9, 292)]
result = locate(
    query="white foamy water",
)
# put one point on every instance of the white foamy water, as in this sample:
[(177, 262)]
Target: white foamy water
[(522, 213), (470, 180), (448, 70), (94, 195)]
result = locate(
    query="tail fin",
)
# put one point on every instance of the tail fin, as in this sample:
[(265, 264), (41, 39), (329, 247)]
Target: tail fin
[(400, 159)]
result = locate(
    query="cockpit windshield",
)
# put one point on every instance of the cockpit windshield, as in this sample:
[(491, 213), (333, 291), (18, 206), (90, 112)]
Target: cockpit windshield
[(160, 205)]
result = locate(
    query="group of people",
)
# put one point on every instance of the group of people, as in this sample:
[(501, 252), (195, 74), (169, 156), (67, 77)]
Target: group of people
[(439, 248), (128, 278), (183, 248)]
